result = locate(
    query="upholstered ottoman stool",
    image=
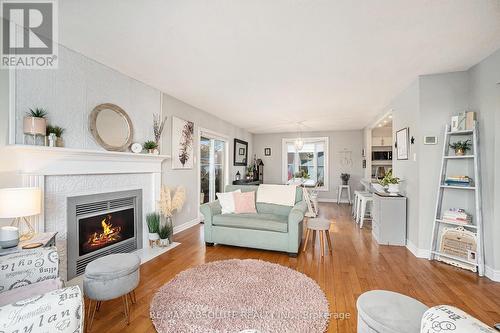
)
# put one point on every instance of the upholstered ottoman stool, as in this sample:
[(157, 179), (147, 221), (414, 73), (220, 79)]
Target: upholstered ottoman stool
[(382, 311), (109, 277)]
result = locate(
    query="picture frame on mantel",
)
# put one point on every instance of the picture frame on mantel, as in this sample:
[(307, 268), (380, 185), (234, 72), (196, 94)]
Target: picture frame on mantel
[(402, 143)]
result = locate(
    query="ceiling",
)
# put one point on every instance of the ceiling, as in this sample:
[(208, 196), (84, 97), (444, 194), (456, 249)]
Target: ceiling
[(267, 65)]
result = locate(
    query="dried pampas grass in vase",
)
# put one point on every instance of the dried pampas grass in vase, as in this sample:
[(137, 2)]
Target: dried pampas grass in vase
[(170, 204)]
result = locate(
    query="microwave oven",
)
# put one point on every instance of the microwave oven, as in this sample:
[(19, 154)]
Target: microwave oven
[(381, 155)]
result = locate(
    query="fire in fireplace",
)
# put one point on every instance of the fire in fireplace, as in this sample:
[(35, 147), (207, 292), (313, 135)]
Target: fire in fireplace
[(101, 224), (103, 230)]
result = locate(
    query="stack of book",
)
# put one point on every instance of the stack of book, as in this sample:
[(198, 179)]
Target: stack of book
[(457, 215), (458, 181)]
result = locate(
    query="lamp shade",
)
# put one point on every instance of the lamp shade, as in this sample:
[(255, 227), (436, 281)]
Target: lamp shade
[(20, 202)]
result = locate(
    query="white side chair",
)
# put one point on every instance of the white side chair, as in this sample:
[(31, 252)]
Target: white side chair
[(364, 200)]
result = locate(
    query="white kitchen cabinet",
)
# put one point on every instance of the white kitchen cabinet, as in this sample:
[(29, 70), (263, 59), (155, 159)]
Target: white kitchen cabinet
[(389, 220)]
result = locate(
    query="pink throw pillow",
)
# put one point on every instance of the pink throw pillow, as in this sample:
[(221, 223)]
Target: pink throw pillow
[(244, 202)]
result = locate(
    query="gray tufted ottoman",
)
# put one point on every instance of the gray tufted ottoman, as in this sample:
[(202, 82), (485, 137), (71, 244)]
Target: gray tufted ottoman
[(382, 311), (109, 277)]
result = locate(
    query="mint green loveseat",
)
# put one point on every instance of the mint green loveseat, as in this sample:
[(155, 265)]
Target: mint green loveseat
[(273, 227)]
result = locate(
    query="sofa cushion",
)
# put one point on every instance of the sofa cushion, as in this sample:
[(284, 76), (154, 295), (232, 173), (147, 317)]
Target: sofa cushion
[(244, 203), (269, 222)]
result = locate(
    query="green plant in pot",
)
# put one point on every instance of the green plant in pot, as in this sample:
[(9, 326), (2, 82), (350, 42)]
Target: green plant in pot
[(34, 123), (150, 146), (301, 174), (165, 233), (153, 222), (57, 132), (345, 178), (391, 182), (461, 147)]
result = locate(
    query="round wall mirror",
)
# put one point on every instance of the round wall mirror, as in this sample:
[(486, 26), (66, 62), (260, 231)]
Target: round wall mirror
[(111, 127)]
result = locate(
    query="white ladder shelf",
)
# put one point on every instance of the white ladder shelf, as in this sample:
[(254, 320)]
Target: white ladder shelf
[(477, 227)]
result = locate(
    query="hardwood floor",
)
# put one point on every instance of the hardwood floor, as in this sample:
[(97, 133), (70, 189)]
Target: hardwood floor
[(358, 264)]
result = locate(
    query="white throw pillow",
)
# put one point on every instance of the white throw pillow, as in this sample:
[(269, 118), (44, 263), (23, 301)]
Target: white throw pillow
[(226, 201)]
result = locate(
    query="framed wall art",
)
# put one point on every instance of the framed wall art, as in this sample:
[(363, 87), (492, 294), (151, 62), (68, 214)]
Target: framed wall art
[(402, 143), (182, 143)]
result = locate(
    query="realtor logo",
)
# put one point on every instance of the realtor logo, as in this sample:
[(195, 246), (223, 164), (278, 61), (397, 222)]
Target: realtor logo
[(29, 34)]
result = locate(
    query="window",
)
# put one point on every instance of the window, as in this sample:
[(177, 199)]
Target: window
[(312, 160)]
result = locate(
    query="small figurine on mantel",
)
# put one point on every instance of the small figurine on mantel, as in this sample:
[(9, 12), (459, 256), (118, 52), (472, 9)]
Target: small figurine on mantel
[(238, 176)]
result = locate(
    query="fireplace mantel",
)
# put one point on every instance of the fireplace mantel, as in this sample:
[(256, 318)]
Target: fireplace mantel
[(39, 160)]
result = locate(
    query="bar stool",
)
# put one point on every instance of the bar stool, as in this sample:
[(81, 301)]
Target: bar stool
[(363, 200), (341, 188), (355, 204)]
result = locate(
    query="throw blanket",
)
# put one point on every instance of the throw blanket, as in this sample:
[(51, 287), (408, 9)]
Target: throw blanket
[(276, 194)]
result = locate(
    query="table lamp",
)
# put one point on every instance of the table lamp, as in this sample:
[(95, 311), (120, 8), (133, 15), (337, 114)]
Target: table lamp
[(19, 203)]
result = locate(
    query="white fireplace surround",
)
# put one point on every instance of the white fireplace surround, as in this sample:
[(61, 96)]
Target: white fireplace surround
[(64, 172)]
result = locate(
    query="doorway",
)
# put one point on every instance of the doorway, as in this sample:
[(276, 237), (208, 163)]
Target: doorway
[(213, 171)]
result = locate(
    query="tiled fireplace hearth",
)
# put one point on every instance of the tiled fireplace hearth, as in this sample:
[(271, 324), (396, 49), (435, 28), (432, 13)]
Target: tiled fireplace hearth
[(123, 184)]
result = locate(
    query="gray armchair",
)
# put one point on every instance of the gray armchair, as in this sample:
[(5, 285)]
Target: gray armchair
[(32, 297)]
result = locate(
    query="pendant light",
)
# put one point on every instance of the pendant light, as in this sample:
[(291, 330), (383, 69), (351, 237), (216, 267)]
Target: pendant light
[(299, 142)]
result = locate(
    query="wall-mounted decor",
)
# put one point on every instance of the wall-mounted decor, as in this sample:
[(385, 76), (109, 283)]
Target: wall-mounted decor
[(402, 143), (267, 151), (182, 143), (240, 157), (430, 140), (111, 127)]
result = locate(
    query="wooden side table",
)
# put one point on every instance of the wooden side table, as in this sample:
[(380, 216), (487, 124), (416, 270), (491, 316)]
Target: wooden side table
[(323, 227), (47, 239)]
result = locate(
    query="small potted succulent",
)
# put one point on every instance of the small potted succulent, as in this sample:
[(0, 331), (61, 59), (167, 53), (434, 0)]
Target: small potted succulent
[(151, 147), (55, 132), (165, 234), (153, 222), (345, 178), (391, 182), (461, 147), (34, 123)]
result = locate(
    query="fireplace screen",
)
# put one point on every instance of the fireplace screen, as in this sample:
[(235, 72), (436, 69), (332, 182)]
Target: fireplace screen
[(100, 231)]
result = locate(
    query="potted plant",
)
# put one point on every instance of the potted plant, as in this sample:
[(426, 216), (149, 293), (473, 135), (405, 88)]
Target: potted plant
[(392, 183), (345, 178), (461, 147), (170, 204), (34, 123), (57, 131), (150, 146), (165, 234), (301, 174), (153, 222)]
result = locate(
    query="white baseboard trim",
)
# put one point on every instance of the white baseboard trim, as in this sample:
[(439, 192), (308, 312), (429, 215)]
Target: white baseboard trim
[(492, 274), (326, 200), (187, 225), (419, 253), (489, 272)]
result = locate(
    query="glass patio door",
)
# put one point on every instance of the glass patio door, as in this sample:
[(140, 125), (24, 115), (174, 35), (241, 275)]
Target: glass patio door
[(212, 167)]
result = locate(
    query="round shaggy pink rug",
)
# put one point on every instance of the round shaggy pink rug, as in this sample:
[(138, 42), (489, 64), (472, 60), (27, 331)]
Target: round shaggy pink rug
[(236, 295)]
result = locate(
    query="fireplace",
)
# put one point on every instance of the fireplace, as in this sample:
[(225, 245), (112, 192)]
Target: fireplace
[(101, 224)]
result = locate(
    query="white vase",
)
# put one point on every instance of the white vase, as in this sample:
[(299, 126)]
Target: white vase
[(164, 242), (393, 189), (153, 238)]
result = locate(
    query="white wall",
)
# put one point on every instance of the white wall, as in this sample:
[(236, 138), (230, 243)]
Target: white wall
[(338, 141), (425, 107), (189, 178), (70, 93), (405, 109), (485, 98)]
